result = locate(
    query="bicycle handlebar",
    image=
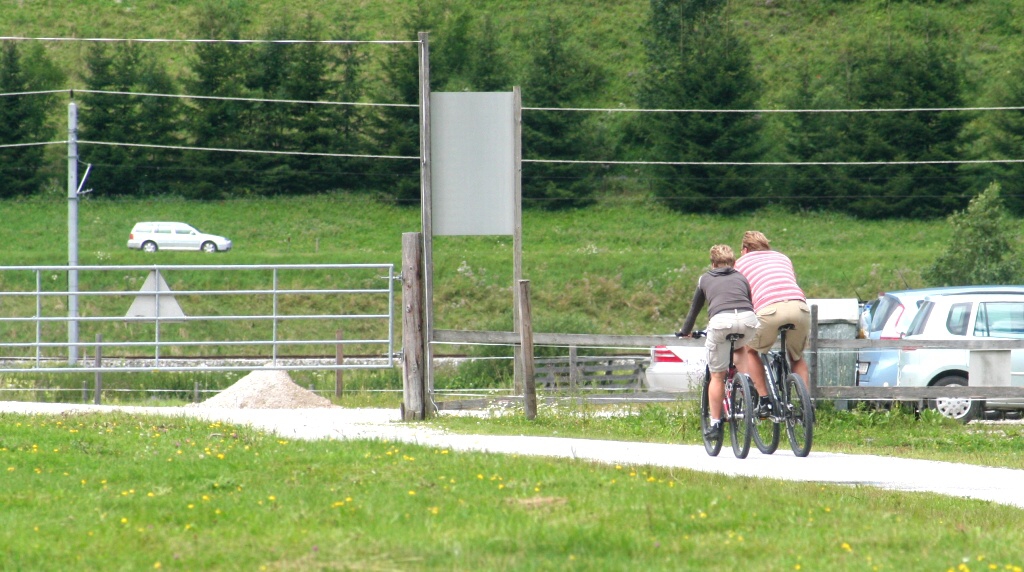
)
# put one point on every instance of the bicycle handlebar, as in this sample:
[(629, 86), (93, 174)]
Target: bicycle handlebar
[(696, 334)]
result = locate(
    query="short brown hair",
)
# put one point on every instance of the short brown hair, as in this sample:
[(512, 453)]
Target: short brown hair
[(754, 240), (721, 255)]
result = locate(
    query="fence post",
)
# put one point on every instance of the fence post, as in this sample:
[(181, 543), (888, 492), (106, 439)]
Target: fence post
[(574, 374), (99, 376), (195, 392), (812, 357), (526, 342), (413, 403), (339, 358)]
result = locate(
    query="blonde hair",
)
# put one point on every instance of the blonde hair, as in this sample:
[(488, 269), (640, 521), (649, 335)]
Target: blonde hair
[(754, 240), (721, 255)]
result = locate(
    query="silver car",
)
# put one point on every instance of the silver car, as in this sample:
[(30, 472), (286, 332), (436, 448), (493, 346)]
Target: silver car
[(153, 236), (962, 317)]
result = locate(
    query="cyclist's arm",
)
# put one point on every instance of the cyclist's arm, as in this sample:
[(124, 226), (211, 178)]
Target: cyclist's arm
[(695, 307)]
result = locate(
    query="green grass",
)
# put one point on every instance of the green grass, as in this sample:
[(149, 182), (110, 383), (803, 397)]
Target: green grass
[(118, 492), (626, 266), (783, 35)]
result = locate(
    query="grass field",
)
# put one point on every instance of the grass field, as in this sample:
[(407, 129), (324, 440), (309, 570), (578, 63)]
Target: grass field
[(117, 492), (626, 266)]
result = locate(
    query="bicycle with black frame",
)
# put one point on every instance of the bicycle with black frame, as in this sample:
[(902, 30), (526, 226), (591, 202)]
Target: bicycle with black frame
[(791, 405), (737, 406)]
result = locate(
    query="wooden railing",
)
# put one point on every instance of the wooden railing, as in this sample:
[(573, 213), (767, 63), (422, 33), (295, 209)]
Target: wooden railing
[(816, 347)]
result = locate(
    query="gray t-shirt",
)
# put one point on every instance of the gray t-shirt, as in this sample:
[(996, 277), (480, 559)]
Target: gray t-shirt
[(723, 289)]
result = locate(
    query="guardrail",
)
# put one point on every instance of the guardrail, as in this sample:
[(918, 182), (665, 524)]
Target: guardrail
[(191, 318)]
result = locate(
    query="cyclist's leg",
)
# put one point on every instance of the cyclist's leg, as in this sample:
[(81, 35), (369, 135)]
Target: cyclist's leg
[(760, 343), (797, 313), (716, 393)]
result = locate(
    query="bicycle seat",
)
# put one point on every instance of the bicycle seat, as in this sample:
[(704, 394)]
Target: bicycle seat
[(733, 337), (785, 327)]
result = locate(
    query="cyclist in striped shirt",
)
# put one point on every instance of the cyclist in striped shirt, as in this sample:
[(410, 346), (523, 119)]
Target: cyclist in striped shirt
[(777, 300)]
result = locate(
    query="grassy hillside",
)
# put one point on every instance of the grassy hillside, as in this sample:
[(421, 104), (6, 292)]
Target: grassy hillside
[(783, 34), (623, 267)]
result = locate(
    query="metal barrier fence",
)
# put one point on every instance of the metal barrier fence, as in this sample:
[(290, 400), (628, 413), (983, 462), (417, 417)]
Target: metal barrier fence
[(196, 317)]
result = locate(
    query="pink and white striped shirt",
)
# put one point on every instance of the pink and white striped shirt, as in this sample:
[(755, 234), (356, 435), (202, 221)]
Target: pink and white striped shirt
[(771, 277)]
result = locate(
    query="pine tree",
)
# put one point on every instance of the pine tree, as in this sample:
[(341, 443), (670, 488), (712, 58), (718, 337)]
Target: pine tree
[(119, 121), (23, 118), (218, 70), (695, 61), (560, 76), (884, 76), (395, 131)]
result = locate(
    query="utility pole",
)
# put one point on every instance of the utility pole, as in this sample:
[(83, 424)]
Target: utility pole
[(72, 233)]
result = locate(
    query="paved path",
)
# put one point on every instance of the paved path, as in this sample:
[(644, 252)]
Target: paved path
[(1004, 486)]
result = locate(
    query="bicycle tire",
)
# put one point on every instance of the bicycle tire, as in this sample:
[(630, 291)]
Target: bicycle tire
[(799, 415), (767, 433), (740, 426), (712, 446)]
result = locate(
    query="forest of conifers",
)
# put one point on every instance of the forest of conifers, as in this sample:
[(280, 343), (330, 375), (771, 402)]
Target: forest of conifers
[(875, 109)]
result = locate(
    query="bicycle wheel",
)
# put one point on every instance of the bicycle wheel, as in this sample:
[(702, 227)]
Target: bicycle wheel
[(739, 420), (766, 432), (712, 446), (799, 415)]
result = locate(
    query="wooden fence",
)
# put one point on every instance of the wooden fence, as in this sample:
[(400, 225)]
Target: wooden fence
[(817, 346)]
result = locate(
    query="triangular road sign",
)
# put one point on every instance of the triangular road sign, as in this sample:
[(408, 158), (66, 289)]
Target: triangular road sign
[(145, 304)]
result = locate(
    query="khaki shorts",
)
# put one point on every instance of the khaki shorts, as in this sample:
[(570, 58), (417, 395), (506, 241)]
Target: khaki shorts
[(770, 318), (722, 324)]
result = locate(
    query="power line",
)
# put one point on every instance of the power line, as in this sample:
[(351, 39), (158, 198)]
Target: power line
[(47, 92), (204, 41), (249, 99), (878, 110), (777, 163), (213, 97), (254, 151), (10, 145)]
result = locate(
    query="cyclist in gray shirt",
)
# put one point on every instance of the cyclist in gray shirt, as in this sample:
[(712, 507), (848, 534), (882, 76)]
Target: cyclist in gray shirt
[(727, 294)]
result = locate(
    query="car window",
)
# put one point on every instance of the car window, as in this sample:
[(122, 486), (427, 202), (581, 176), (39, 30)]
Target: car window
[(884, 308), (917, 326), (182, 231), (956, 320), (162, 231), (1000, 319)]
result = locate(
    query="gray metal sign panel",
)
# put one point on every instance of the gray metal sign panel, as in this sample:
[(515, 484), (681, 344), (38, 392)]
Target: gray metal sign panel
[(472, 163)]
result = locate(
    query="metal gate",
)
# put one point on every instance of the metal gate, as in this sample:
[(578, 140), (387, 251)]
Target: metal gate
[(196, 317)]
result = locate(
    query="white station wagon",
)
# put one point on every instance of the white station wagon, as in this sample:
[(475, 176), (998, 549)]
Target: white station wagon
[(153, 236)]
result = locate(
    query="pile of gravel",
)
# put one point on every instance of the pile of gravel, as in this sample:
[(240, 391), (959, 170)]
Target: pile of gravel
[(266, 389)]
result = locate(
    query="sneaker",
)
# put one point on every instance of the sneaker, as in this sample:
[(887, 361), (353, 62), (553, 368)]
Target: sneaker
[(764, 408), (714, 431)]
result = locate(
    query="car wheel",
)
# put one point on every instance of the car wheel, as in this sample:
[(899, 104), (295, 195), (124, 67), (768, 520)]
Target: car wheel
[(208, 247), (959, 408), (149, 246)]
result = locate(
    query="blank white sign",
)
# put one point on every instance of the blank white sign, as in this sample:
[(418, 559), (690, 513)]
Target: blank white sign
[(472, 163)]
